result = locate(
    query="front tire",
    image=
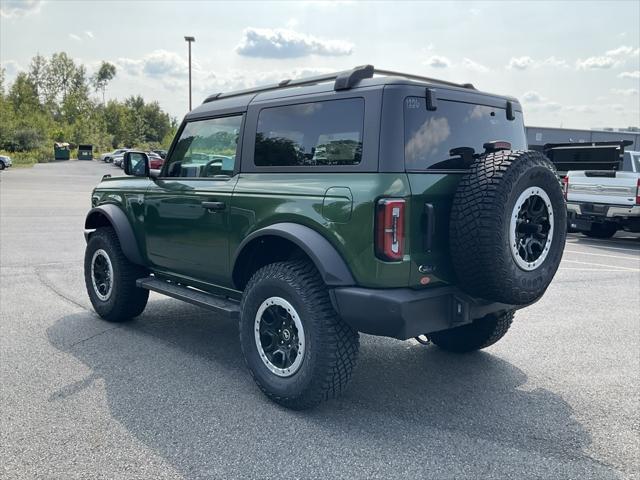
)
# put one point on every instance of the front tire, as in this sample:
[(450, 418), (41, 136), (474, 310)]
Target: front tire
[(296, 347), (111, 279), (479, 334)]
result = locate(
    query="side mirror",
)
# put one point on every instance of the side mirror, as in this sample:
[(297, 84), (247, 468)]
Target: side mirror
[(136, 164)]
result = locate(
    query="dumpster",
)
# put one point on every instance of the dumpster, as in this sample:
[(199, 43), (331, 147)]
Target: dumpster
[(61, 151), (85, 152)]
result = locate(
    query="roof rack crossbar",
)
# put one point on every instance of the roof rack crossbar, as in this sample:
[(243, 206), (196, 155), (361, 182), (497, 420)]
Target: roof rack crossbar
[(343, 81)]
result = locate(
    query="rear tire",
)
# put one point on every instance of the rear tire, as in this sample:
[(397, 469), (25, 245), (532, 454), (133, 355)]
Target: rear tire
[(111, 279), (288, 300), (482, 333), (601, 230)]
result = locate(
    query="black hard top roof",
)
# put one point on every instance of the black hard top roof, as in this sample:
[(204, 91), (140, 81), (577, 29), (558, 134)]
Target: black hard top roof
[(358, 77)]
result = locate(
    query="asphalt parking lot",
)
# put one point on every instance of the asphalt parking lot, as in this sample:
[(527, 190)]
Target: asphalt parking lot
[(167, 396)]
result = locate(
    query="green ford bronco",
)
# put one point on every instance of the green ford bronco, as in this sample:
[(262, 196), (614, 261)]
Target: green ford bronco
[(363, 201)]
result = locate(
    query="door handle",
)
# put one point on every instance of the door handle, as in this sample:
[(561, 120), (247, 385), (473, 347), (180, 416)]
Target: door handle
[(214, 206)]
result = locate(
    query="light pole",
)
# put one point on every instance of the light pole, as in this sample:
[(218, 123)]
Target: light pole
[(189, 40)]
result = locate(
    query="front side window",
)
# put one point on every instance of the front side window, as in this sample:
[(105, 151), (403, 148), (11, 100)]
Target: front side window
[(206, 149), (311, 134), (454, 134)]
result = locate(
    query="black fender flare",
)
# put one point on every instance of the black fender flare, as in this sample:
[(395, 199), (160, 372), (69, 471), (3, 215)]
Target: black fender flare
[(325, 257), (120, 223)]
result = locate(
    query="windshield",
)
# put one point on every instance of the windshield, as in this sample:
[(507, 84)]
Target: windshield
[(454, 134)]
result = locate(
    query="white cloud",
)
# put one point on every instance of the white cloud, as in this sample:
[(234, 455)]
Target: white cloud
[(163, 63), (554, 62), (437, 61), (534, 101), (532, 97), (623, 51), (596, 63), (75, 37), (19, 8), (550, 106), (526, 62), (625, 92), (632, 75), (611, 59), (89, 34), (286, 43), (474, 66), (129, 65), (157, 64), (520, 63)]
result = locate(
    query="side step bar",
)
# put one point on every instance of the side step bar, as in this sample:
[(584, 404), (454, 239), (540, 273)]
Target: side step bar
[(202, 299)]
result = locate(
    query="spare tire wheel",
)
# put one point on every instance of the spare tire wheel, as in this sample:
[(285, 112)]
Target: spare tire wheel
[(508, 227)]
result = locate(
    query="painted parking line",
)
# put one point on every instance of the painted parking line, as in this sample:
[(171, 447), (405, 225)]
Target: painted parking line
[(603, 265), (602, 255), (604, 247), (593, 270)]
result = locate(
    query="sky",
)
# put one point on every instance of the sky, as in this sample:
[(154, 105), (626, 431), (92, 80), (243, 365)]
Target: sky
[(572, 64)]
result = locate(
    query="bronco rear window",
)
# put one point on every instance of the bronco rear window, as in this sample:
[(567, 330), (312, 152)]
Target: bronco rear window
[(443, 139)]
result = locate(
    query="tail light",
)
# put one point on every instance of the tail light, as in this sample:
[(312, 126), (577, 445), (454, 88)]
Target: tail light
[(638, 192), (565, 186), (389, 230)]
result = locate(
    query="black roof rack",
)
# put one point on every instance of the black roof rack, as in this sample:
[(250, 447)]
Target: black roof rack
[(343, 81)]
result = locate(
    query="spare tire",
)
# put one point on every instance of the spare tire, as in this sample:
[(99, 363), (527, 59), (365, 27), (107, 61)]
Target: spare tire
[(508, 227)]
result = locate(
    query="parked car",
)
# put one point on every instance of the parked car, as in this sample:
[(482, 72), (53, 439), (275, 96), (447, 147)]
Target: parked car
[(108, 157), (601, 202), (162, 153), (117, 159), (155, 160), (5, 162), (392, 205)]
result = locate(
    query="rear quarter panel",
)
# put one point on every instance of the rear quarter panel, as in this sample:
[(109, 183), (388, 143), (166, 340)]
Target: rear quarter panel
[(262, 199)]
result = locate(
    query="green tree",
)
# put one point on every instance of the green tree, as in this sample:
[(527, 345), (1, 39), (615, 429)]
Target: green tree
[(51, 102), (38, 75), (23, 95), (103, 76)]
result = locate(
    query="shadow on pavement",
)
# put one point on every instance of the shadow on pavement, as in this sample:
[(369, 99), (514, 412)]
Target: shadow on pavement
[(175, 379)]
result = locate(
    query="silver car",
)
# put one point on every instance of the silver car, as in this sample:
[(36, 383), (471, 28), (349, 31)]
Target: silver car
[(5, 162)]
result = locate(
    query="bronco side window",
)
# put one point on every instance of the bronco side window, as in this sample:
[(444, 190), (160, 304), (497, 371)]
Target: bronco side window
[(311, 134), (206, 148)]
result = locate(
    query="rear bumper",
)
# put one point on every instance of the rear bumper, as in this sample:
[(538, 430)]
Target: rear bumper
[(582, 216), (602, 211), (405, 313)]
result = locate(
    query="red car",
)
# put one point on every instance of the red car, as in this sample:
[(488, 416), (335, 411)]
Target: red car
[(155, 161)]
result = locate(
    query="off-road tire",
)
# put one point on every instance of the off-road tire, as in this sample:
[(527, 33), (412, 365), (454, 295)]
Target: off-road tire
[(126, 300), (480, 223), (477, 335), (331, 345), (601, 230)]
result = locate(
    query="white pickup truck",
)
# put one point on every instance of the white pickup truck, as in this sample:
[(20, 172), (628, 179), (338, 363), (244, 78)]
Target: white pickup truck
[(601, 202)]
